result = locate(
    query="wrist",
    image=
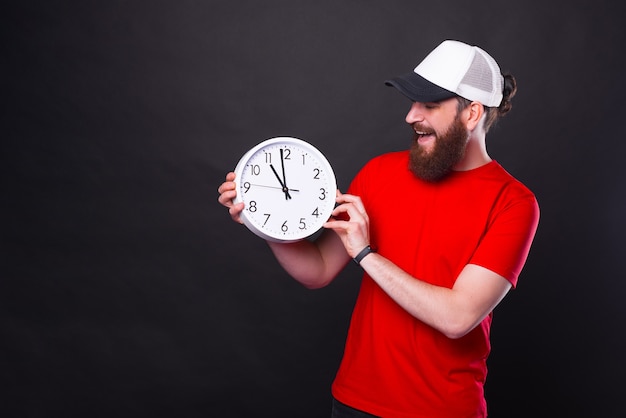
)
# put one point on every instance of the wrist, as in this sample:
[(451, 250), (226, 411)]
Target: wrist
[(362, 254)]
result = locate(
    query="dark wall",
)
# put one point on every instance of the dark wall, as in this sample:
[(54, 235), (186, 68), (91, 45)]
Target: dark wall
[(127, 291)]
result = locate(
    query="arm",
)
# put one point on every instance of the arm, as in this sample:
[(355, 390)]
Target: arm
[(313, 264), (454, 312)]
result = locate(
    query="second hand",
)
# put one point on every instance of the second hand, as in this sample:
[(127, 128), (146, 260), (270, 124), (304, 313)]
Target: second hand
[(272, 187)]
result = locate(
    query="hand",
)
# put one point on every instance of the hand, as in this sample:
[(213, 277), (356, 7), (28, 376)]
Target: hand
[(282, 163), (353, 229), (282, 185), (228, 191)]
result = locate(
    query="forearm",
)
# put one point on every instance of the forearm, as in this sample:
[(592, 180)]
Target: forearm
[(313, 264), (428, 303), (454, 312)]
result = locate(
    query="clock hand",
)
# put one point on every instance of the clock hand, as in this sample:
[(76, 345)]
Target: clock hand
[(285, 189), (272, 187), (282, 163)]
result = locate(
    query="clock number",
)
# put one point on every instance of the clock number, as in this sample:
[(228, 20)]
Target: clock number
[(255, 169), (322, 194), (303, 159), (268, 157), (317, 173), (284, 227), (316, 212), (267, 218), (252, 206), (246, 186), (287, 154), (302, 223)]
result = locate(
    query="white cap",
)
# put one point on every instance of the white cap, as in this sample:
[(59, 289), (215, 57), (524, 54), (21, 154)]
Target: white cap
[(453, 69)]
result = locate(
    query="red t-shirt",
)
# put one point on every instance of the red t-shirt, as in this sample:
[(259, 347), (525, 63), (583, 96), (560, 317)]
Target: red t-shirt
[(395, 365)]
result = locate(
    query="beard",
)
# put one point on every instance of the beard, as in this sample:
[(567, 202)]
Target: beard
[(448, 150)]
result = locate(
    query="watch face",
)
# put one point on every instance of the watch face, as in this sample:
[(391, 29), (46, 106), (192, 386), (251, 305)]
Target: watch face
[(288, 188)]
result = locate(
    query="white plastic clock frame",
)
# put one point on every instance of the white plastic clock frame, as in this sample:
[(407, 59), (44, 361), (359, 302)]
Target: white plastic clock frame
[(328, 205)]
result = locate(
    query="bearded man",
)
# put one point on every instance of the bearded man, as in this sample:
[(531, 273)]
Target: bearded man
[(441, 231)]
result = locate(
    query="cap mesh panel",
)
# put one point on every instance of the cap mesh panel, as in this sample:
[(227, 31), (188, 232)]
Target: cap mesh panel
[(479, 74)]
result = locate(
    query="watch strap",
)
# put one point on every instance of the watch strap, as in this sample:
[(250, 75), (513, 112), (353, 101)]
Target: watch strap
[(361, 255)]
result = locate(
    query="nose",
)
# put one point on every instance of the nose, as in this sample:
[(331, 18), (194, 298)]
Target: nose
[(415, 114)]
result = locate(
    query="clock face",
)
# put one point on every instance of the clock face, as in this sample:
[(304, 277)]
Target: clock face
[(288, 188)]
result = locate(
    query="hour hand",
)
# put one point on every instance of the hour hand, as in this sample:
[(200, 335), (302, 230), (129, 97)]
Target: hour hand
[(284, 187)]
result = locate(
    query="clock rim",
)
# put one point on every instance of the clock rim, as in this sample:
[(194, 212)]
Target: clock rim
[(239, 170)]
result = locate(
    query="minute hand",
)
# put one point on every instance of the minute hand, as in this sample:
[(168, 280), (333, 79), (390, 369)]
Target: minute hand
[(282, 163), (285, 189)]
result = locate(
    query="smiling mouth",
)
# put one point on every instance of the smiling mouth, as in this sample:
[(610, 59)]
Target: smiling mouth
[(422, 135)]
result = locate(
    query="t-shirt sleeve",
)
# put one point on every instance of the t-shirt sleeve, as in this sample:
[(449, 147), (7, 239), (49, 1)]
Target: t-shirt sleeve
[(507, 241)]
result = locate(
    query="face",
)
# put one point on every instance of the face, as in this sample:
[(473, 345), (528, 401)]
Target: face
[(439, 139)]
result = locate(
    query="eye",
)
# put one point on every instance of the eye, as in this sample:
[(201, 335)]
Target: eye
[(431, 105)]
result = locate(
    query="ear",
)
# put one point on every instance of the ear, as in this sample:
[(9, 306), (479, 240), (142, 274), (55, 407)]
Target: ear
[(475, 112)]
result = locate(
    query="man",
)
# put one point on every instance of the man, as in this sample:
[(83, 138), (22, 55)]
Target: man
[(441, 231)]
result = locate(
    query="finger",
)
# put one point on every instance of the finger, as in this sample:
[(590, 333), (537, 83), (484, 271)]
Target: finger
[(352, 208), (347, 218), (349, 198), (355, 213), (235, 212), (228, 183), (226, 197), (226, 186)]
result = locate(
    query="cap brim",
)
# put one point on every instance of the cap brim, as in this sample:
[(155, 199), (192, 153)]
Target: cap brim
[(418, 89)]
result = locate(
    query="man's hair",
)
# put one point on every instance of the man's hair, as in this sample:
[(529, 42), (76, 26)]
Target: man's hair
[(493, 113)]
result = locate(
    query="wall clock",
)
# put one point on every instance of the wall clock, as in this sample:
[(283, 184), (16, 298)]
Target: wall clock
[(288, 188)]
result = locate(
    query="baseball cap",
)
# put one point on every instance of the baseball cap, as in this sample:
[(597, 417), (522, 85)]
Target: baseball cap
[(453, 69)]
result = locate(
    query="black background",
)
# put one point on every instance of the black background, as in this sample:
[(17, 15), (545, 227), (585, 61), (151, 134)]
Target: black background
[(127, 291)]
